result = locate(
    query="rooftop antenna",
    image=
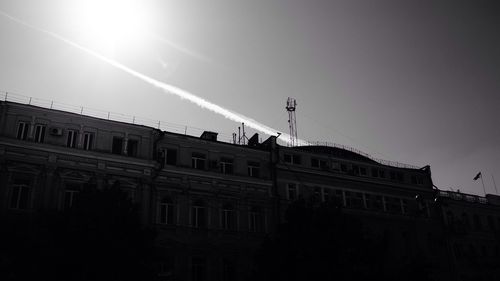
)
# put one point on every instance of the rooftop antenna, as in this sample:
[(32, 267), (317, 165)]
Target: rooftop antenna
[(292, 122)]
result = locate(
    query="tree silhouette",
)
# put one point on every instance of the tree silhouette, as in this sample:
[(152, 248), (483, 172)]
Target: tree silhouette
[(318, 243), (99, 238)]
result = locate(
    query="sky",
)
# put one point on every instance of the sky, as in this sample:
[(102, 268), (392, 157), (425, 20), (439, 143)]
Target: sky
[(409, 81)]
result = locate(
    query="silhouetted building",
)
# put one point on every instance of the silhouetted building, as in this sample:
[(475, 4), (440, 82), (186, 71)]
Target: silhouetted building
[(212, 202)]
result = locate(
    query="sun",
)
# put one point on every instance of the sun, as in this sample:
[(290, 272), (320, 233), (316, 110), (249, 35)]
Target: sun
[(107, 25)]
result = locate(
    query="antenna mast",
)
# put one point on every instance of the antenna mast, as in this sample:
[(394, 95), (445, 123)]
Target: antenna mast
[(292, 122)]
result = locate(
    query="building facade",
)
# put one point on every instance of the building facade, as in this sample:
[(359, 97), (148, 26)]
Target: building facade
[(212, 203)]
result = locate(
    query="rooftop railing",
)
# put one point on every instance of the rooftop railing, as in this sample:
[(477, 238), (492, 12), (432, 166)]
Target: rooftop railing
[(378, 160), (463, 197), (108, 115), (162, 125)]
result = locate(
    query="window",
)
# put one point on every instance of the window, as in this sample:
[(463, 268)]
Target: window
[(343, 168), (70, 198), (227, 217), (22, 130), (314, 163), (88, 140), (362, 171), (255, 220), (378, 173), (226, 165), (228, 270), (396, 176), (477, 222), (170, 156), (198, 161), (20, 196), (404, 206), (198, 269), (253, 169), (393, 205), (326, 194), (198, 215), (166, 211), (374, 202), (465, 220), (292, 191), (292, 159), (132, 146), (417, 179), (71, 141), (355, 169), (317, 194), (166, 268), (39, 133), (117, 146), (354, 200), (491, 223)]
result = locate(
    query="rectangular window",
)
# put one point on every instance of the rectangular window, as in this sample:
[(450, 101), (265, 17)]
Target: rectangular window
[(362, 171), (354, 200), (71, 141), (20, 196), (292, 191), (22, 130), (226, 165), (132, 146), (39, 133), (326, 195), (393, 205), (170, 156), (314, 163), (70, 198), (253, 169), (198, 160), (417, 179), (343, 168), (255, 220), (198, 269), (292, 159), (355, 169), (117, 146), (375, 172), (198, 216), (166, 212), (374, 202), (88, 140), (227, 217)]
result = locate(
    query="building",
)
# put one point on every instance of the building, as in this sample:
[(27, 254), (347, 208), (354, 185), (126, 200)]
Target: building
[(213, 202), (472, 227)]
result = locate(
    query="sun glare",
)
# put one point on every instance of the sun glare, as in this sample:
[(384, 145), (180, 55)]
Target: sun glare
[(107, 25)]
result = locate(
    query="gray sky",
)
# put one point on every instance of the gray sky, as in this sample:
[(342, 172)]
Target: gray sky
[(409, 81)]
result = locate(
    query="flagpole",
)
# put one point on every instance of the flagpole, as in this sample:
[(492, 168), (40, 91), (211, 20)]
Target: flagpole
[(484, 189), (494, 184)]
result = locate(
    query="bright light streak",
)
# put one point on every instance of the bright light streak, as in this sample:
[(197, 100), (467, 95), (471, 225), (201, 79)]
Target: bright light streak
[(165, 87)]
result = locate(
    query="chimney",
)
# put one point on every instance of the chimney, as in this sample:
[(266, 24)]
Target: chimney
[(254, 140)]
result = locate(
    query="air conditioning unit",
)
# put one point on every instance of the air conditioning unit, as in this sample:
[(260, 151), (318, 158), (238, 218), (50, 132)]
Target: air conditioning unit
[(56, 131)]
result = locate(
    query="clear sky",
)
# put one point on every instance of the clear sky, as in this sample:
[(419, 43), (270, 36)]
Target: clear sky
[(409, 81)]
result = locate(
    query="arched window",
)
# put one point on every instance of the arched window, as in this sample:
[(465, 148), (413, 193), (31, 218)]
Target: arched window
[(228, 217), (198, 214), (167, 211)]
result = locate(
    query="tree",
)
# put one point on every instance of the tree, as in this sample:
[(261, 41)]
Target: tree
[(318, 243), (99, 238)]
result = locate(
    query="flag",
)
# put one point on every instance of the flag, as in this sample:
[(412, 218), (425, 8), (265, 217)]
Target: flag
[(477, 176)]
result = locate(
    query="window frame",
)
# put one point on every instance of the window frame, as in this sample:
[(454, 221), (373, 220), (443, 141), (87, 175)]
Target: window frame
[(22, 133)]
